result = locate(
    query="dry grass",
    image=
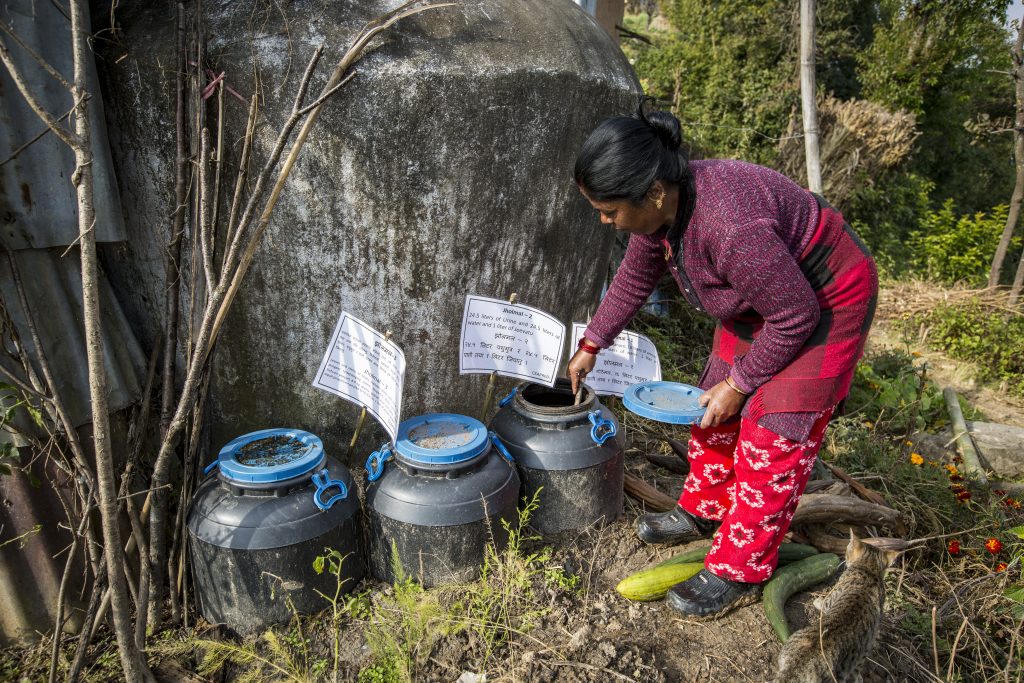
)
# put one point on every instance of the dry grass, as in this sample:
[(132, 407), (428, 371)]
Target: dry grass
[(857, 137)]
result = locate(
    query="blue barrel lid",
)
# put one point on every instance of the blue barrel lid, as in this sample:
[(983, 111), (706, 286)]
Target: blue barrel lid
[(441, 439), (669, 402), (270, 455)]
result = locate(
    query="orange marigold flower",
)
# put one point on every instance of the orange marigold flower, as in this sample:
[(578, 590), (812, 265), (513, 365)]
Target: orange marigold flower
[(915, 354), (1000, 567), (957, 488), (953, 547), (1012, 503), (993, 545), (916, 459), (963, 496), (952, 469), (958, 460), (956, 478)]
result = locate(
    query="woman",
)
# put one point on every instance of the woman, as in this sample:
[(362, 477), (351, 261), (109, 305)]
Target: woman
[(794, 291)]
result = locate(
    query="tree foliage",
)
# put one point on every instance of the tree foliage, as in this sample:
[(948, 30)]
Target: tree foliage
[(729, 69)]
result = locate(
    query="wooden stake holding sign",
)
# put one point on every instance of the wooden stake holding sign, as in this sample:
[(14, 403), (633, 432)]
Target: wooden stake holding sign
[(492, 379), (362, 419), (511, 340)]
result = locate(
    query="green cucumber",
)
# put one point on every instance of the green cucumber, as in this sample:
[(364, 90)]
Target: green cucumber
[(652, 584), (788, 552), (790, 580)]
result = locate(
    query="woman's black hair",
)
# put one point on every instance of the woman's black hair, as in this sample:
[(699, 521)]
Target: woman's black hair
[(624, 155)]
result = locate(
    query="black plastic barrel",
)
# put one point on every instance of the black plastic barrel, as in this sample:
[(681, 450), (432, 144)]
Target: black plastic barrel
[(572, 454), (437, 499), (256, 528)]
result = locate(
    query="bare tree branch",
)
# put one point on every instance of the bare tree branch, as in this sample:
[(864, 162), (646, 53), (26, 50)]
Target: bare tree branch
[(69, 138), (38, 58)]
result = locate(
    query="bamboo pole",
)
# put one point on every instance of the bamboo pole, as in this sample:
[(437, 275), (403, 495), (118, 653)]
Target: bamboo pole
[(808, 95), (964, 442)]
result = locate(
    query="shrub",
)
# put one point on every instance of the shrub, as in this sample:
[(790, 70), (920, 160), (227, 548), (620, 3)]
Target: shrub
[(948, 248), (993, 339)]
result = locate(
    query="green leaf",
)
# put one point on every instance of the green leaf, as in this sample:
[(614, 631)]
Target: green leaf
[(4, 469), (1018, 531), (36, 414), (1015, 593), (318, 564)]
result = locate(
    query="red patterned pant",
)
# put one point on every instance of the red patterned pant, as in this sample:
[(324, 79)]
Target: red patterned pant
[(750, 478)]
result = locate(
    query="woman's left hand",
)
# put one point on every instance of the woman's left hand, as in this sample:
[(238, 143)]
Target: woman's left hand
[(722, 402)]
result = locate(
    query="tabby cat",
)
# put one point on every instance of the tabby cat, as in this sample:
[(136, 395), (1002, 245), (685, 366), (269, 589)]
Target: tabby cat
[(832, 647)]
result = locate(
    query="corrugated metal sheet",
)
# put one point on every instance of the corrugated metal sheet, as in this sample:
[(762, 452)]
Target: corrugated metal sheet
[(38, 219), (38, 179), (54, 288)]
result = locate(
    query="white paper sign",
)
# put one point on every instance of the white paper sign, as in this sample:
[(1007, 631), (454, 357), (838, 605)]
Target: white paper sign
[(361, 365), (631, 359), (511, 339)]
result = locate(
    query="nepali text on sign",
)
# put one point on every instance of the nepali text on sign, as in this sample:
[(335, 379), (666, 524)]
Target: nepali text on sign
[(631, 359), (363, 366), (510, 339)]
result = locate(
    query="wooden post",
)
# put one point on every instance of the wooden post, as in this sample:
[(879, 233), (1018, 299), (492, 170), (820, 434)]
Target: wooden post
[(808, 95), (361, 421), (489, 396)]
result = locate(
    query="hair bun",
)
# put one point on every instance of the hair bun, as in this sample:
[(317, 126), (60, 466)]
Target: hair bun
[(667, 128), (664, 125)]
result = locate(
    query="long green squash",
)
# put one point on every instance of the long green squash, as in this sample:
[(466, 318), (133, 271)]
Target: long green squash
[(653, 583), (792, 579), (788, 552)]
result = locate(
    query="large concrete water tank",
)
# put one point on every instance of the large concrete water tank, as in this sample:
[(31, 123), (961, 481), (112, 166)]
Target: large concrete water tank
[(443, 169)]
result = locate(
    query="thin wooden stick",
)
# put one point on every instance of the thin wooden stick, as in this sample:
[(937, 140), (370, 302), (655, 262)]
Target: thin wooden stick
[(493, 377), (362, 418)]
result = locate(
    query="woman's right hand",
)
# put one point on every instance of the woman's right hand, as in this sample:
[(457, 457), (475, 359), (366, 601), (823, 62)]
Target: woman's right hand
[(580, 365)]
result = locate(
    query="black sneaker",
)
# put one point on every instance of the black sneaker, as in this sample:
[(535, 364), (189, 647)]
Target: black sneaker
[(674, 526), (709, 595)]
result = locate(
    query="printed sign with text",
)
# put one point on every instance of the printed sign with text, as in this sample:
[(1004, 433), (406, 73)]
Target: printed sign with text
[(510, 339), (362, 366), (632, 359)]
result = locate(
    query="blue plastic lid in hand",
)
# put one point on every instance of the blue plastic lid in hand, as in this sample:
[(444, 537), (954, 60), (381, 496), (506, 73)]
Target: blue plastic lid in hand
[(669, 402)]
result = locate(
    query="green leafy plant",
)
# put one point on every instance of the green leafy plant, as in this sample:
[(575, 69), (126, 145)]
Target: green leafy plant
[(991, 338), (953, 248), (890, 389)]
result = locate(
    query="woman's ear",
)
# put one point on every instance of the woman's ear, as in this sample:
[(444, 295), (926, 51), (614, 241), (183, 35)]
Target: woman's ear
[(657, 191)]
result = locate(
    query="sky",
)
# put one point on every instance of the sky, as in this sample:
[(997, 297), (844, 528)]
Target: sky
[(1016, 11)]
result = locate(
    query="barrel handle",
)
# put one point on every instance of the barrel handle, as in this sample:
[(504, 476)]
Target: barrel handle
[(375, 463), (501, 447), (599, 424), (209, 468), (323, 481), (504, 402)]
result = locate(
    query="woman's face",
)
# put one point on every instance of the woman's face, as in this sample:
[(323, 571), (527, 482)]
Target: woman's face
[(626, 216)]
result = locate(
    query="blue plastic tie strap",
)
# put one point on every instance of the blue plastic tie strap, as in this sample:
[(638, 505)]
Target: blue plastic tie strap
[(599, 424), (322, 480), (504, 402), (209, 468), (500, 446), (375, 463)]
